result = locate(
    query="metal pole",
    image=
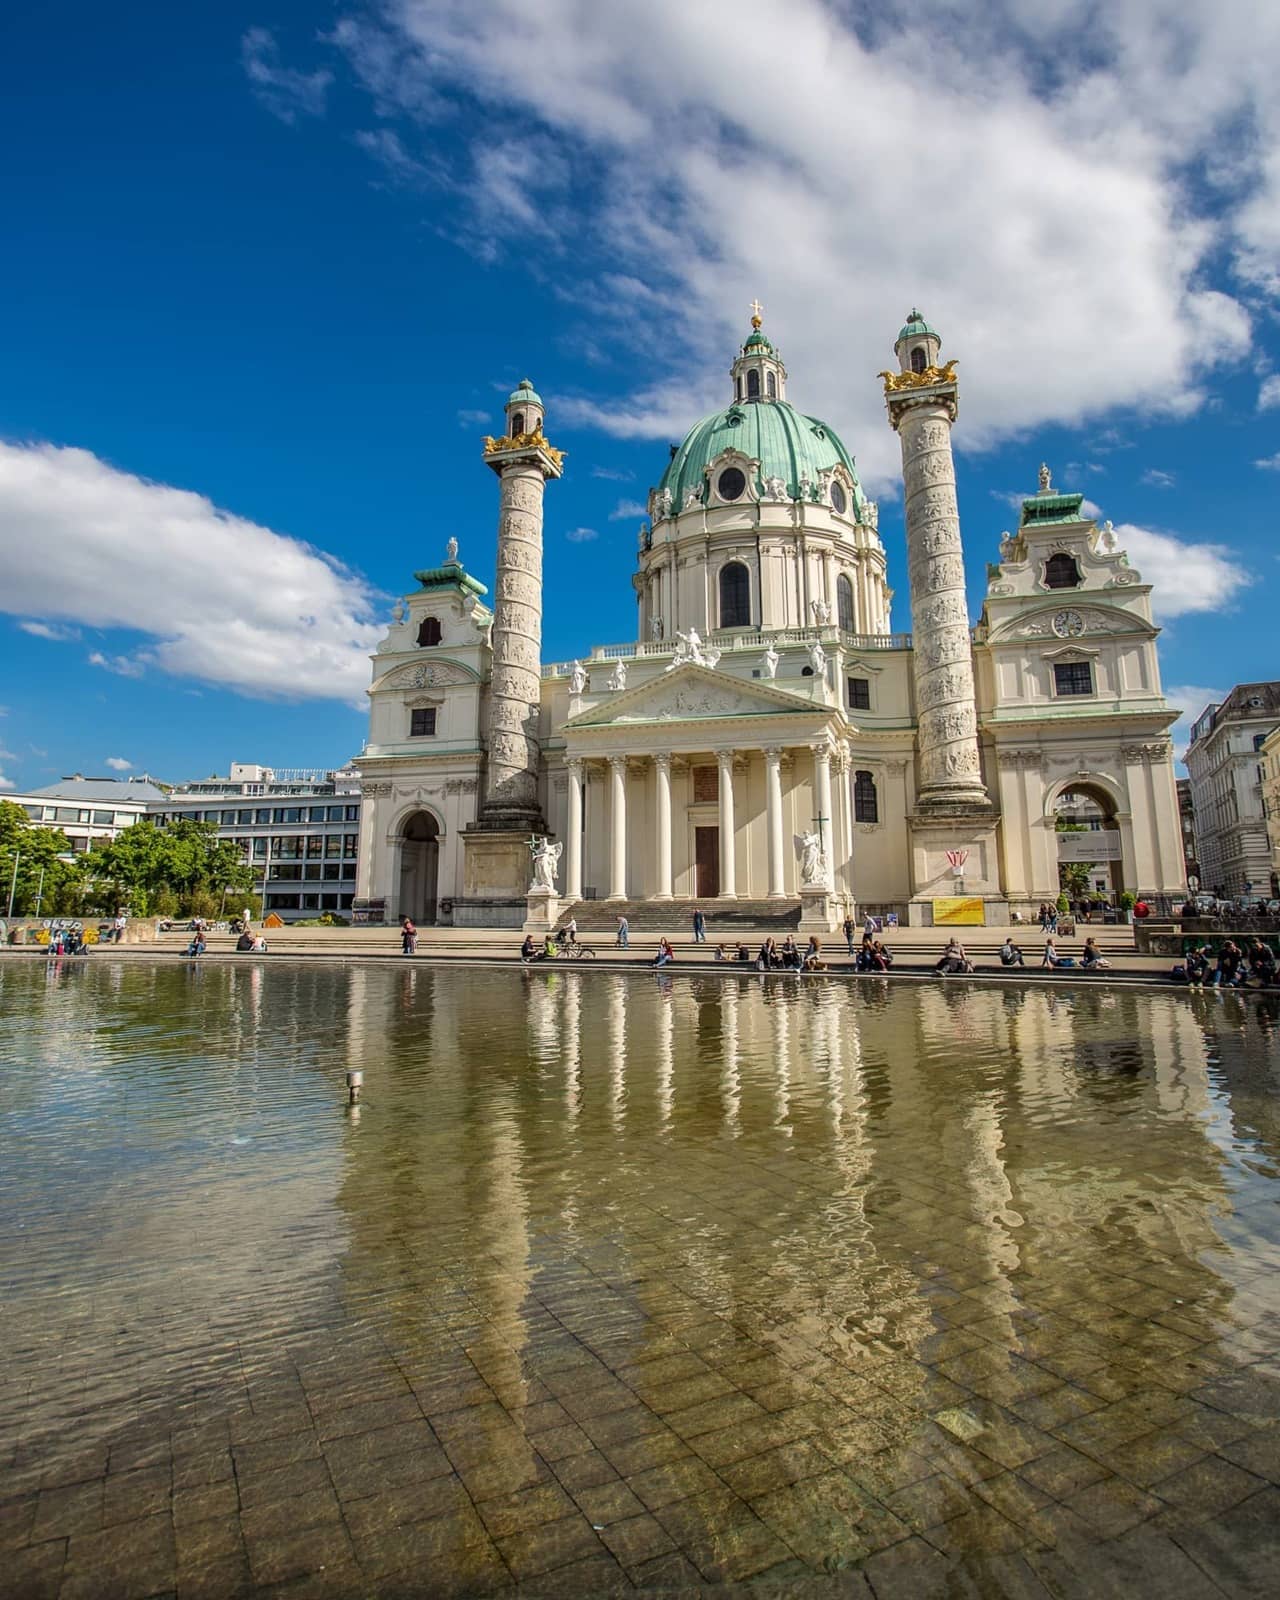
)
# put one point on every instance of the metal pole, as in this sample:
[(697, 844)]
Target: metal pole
[(13, 882), (40, 892)]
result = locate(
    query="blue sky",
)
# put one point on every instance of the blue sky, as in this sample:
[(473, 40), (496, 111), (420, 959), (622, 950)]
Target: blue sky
[(273, 269)]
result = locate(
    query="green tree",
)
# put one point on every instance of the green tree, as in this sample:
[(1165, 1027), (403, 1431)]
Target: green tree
[(184, 865), (43, 878)]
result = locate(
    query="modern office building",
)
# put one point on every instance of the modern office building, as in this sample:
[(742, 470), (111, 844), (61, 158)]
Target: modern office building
[(90, 811), (297, 827), (1225, 764)]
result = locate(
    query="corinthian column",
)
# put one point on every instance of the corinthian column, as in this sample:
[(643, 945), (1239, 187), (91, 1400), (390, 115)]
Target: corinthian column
[(662, 777), (922, 407), (573, 860)]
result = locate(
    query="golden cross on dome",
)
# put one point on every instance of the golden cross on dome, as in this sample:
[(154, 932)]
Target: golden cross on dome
[(756, 309)]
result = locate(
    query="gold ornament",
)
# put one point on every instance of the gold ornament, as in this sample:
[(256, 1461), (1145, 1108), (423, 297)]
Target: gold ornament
[(919, 380), (522, 441)]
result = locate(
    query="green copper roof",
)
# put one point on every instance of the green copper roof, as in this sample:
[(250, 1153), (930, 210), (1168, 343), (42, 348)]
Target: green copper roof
[(915, 325), (452, 575), (757, 341), (787, 444), (1042, 508), (523, 393)]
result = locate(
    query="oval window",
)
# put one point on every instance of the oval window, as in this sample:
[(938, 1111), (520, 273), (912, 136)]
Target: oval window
[(732, 484), (839, 500)]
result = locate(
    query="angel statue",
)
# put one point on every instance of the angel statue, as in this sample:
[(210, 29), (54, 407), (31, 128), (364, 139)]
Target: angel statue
[(397, 611), (546, 858), (1108, 538), (577, 678), (451, 550), (813, 861)]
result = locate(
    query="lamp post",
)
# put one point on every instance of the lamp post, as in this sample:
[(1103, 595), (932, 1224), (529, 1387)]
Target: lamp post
[(13, 882)]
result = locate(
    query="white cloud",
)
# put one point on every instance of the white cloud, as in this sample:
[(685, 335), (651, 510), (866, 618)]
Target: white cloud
[(1090, 508), (626, 509), (1186, 576), (45, 630), (284, 91), (7, 783), (613, 474), (1046, 145), (581, 535), (1190, 699), (119, 764), (1269, 463), (386, 148), (220, 599), (472, 419), (1269, 393), (1156, 478)]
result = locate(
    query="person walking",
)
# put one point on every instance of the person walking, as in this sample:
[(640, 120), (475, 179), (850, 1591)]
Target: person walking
[(571, 931), (699, 927), (408, 937), (118, 927), (849, 929), (624, 933)]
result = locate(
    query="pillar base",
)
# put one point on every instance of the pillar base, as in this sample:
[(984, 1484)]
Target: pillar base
[(542, 911), (495, 878), (819, 911), (969, 831)]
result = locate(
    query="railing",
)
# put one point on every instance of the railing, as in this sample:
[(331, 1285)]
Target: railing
[(729, 640)]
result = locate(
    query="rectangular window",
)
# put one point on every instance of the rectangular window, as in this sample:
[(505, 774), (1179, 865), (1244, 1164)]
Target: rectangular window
[(328, 902), (333, 847), (312, 870), (706, 785), (230, 819), (1072, 677), (335, 813), (860, 694), (315, 846), (286, 849), (349, 841), (332, 870), (66, 813), (259, 849), (311, 902), (104, 818), (285, 872), (263, 814), (315, 813), (351, 813), (866, 805), (348, 871), (422, 722), (281, 902)]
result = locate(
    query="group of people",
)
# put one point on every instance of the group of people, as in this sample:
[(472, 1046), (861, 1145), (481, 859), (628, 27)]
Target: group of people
[(788, 956), (1234, 968)]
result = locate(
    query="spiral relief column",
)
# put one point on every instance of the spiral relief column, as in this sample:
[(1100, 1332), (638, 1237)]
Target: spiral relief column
[(922, 401), (496, 850)]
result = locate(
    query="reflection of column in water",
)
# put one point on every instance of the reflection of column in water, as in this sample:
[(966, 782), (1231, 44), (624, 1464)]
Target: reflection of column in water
[(543, 1023), (830, 1048), (617, 1047), (571, 1036), (666, 1031), (989, 1183), (781, 1057), (499, 1275), (730, 1070)]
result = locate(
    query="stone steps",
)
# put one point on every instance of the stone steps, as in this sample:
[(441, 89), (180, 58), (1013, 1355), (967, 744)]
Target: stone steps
[(675, 917)]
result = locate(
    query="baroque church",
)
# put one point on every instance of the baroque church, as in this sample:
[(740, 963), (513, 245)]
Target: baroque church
[(767, 743)]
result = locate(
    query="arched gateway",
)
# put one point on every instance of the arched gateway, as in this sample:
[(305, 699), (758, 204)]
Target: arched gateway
[(419, 866)]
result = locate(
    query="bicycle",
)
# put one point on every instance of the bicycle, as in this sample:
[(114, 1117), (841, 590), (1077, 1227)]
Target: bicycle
[(575, 952)]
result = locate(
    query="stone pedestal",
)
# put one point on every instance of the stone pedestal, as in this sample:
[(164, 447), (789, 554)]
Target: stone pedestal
[(933, 877), (542, 911), (819, 909), (495, 879)]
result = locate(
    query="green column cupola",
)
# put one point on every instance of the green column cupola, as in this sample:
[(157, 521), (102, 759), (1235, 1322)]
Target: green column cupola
[(758, 373), (917, 344), (524, 410)]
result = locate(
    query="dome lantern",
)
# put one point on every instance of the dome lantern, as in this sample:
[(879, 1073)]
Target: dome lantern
[(524, 410), (758, 373)]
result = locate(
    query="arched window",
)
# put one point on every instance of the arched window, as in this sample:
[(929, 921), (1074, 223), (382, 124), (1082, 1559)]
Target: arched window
[(737, 387), (753, 385), (517, 424), (844, 603), (735, 596), (866, 807), (429, 632), (771, 385), (918, 361), (1061, 572)]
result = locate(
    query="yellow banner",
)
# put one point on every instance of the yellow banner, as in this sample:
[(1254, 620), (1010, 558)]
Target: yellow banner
[(958, 910)]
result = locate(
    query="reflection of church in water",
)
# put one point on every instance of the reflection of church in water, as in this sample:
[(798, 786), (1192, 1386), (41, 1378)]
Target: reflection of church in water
[(767, 738)]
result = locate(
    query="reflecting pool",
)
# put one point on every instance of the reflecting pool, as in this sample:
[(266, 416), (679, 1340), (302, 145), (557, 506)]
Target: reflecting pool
[(638, 1279)]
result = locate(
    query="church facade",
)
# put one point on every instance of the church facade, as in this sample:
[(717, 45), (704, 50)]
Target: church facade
[(767, 742)]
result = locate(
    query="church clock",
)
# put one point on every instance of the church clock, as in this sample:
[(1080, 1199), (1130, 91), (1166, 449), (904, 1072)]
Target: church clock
[(1068, 624)]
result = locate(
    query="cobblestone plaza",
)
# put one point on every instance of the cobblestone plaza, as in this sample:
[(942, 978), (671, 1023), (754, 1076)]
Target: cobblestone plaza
[(625, 1282)]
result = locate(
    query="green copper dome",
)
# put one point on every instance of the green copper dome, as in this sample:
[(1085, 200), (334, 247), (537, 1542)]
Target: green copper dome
[(523, 393), (757, 341), (915, 325), (787, 444)]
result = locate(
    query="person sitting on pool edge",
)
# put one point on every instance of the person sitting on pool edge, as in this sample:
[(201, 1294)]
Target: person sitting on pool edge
[(1092, 959), (953, 959), (1010, 954), (529, 949), (665, 952)]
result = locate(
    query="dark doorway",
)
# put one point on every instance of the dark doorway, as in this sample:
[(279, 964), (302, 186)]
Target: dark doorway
[(706, 855), (419, 866)]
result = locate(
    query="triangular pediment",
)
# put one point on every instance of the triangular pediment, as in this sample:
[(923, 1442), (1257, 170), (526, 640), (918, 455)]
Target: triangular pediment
[(695, 694)]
